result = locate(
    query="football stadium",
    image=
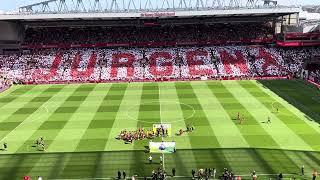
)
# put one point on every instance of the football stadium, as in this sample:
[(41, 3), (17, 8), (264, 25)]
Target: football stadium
[(159, 89)]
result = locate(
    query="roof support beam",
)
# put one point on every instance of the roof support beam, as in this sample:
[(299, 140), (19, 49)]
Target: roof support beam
[(72, 6)]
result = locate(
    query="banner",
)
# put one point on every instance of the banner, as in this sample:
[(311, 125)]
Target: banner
[(162, 147), (157, 14)]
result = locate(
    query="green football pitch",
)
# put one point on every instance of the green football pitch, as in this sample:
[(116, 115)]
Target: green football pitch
[(80, 122)]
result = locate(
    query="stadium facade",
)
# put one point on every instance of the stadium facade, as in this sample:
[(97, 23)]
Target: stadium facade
[(127, 13), (143, 87), (211, 24)]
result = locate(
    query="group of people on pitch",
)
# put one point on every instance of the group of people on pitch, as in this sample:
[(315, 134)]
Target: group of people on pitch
[(241, 118), (204, 173), (141, 133), (40, 144), (189, 128)]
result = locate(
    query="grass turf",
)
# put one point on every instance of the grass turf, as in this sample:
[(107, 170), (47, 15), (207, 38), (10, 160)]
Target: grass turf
[(80, 123)]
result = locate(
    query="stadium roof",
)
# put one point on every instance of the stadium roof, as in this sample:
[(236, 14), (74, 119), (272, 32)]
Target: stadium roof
[(151, 14), (309, 16), (135, 9)]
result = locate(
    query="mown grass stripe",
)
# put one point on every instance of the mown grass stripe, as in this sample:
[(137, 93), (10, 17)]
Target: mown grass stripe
[(92, 164), (127, 113), (251, 130), (37, 119), (301, 158), (302, 115), (149, 110), (19, 135), (7, 109), (27, 145), (16, 133), (85, 170), (201, 123), (61, 116), (218, 117), (228, 101), (96, 135), (149, 114), (7, 98), (281, 134), (298, 126), (53, 163), (297, 93), (57, 173), (172, 112), (96, 139)]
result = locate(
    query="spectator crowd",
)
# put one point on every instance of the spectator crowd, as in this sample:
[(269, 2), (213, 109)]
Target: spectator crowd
[(154, 64), (222, 33), (313, 70)]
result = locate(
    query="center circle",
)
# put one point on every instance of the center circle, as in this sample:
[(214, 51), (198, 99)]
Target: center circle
[(164, 109)]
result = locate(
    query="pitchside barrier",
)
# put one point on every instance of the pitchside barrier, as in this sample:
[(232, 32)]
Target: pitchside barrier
[(156, 80)]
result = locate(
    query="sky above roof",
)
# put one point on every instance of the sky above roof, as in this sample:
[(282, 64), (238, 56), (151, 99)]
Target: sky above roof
[(9, 5)]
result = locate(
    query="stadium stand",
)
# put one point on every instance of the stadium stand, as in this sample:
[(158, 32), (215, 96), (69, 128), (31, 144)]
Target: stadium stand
[(69, 47), (314, 72), (150, 64), (217, 34)]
